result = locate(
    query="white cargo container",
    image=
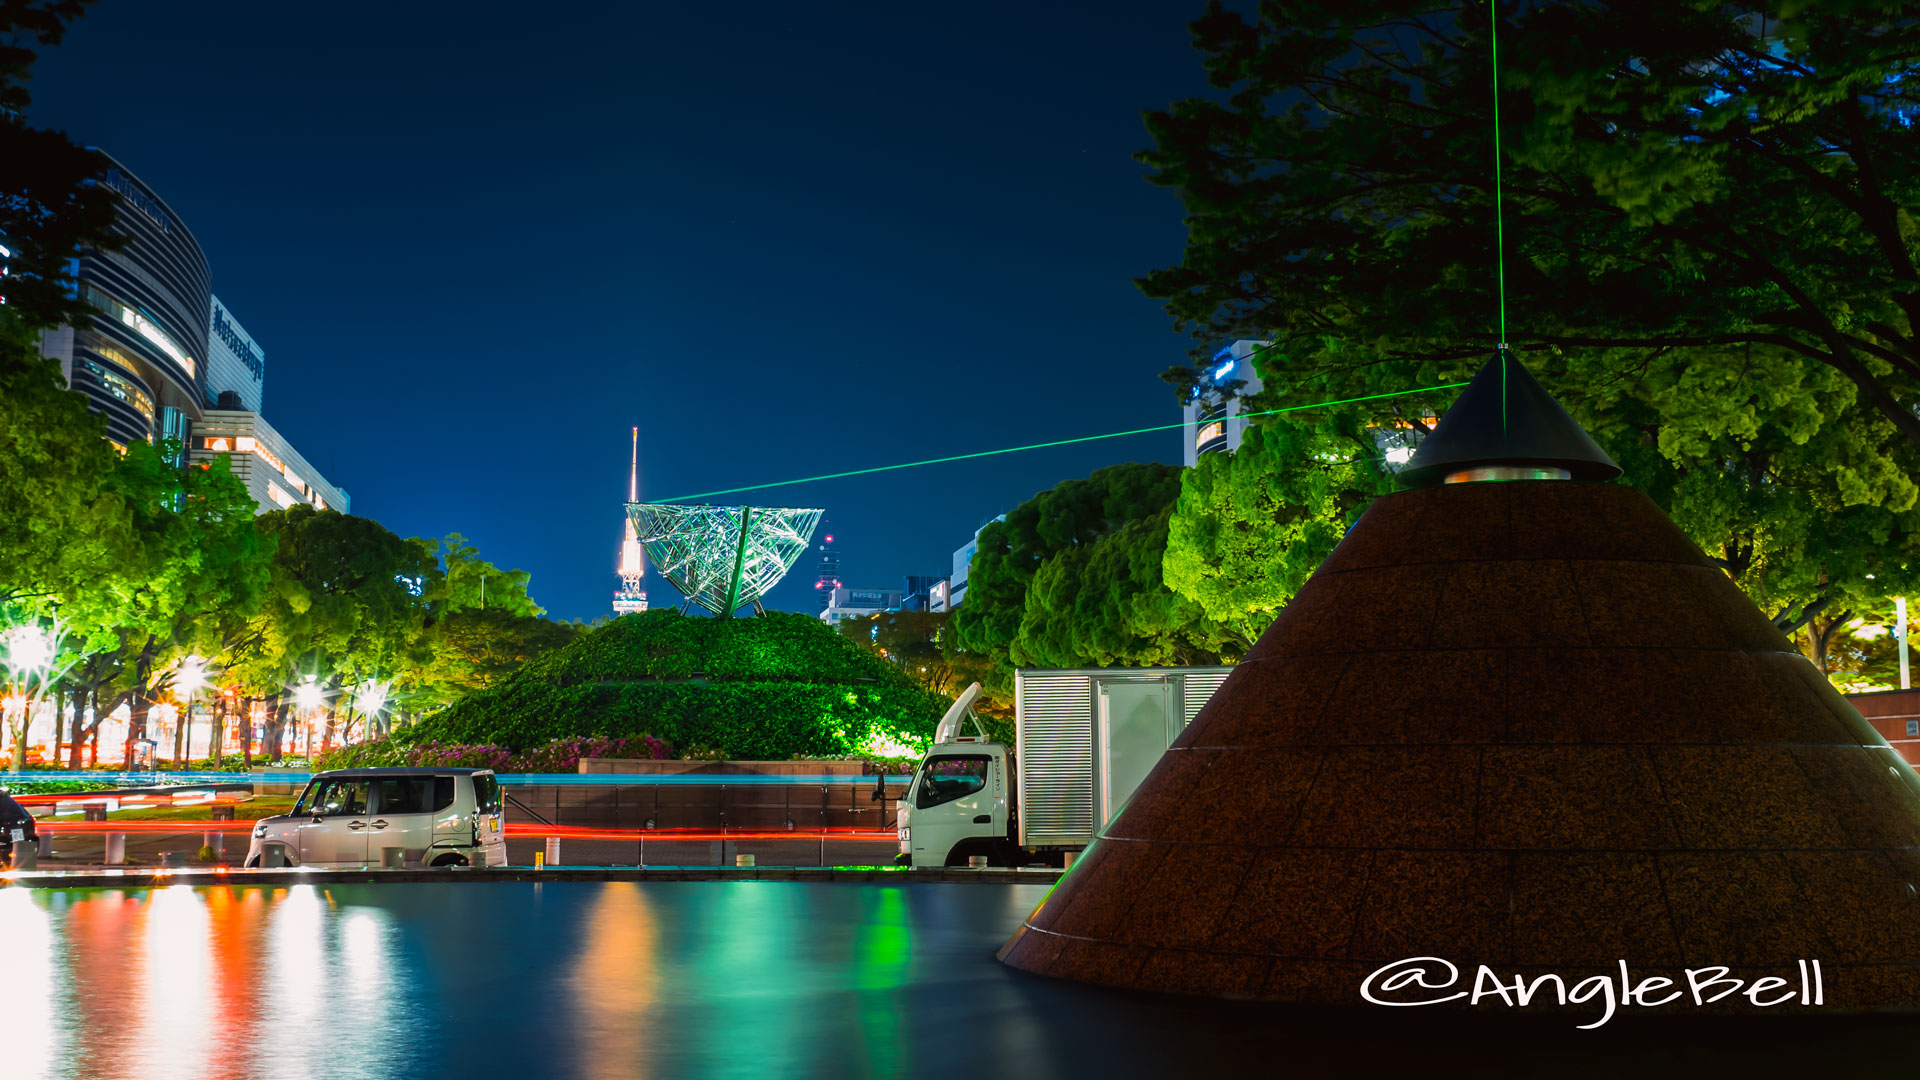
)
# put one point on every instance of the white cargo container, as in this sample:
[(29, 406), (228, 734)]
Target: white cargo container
[(1085, 738), (1088, 736)]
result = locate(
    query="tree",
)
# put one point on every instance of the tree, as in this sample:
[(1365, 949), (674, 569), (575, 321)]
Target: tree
[(1073, 576), (921, 644), (1251, 526), (347, 604), (1678, 175), (475, 584), (51, 207), (1697, 264)]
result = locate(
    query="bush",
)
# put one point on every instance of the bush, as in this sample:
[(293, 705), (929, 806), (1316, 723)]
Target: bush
[(771, 687), (558, 756)]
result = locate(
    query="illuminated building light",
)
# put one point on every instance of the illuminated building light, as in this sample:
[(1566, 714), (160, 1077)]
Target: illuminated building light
[(1223, 371), (1209, 433), (280, 495), (142, 325)]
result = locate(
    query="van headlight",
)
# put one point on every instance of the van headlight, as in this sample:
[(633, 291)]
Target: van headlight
[(260, 831)]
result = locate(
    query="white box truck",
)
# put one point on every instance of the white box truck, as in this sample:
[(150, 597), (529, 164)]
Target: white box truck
[(1085, 738)]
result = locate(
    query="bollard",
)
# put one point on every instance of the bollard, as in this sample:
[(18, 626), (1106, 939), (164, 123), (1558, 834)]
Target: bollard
[(25, 856), (743, 860), (393, 858), (46, 845), (1067, 858), (553, 851), (174, 858), (539, 860), (218, 842), (976, 862), (273, 856), (94, 813), (116, 852)]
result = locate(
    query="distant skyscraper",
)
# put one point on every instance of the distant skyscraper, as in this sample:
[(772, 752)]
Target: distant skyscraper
[(633, 568), (829, 579)]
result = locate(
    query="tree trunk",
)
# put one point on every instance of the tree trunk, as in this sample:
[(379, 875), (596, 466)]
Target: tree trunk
[(59, 721), (246, 733), (276, 727), (79, 727), (20, 737), (217, 736)]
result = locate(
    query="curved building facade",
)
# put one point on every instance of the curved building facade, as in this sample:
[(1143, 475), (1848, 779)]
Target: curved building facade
[(143, 363)]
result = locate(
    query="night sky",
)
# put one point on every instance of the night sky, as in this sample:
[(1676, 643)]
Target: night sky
[(784, 240)]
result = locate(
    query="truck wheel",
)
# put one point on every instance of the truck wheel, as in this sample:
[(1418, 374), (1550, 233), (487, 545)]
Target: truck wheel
[(448, 861)]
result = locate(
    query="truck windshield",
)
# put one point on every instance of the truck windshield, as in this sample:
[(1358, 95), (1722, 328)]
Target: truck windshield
[(944, 779)]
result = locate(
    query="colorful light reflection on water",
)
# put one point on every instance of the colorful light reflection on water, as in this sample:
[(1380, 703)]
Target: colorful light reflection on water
[(713, 979), (594, 980)]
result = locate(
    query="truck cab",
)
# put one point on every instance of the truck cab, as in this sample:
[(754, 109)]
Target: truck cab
[(960, 801)]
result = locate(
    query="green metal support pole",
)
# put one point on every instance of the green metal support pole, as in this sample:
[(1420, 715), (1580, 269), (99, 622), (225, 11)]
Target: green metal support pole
[(739, 561)]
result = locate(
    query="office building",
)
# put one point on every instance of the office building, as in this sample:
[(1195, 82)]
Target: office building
[(963, 558), (844, 603), (1212, 418), (235, 362), (275, 474), (143, 362)]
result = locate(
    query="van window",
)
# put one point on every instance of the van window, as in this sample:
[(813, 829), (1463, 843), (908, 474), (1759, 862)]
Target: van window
[(486, 793), (442, 793), (334, 798), (402, 794), (944, 779)]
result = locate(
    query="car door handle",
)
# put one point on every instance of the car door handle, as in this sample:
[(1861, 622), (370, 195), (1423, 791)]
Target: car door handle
[(380, 824), (356, 825), (983, 819)]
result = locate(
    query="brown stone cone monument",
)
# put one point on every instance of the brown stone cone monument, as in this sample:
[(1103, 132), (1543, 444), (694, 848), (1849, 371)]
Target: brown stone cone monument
[(1524, 724)]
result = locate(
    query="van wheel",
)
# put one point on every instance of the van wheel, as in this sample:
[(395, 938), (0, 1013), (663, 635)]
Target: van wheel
[(448, 861)]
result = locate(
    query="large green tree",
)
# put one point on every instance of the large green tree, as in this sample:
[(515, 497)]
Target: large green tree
[(1251, 526), (51, 206), (1073, 577), (1678, 173), (1709, 252)]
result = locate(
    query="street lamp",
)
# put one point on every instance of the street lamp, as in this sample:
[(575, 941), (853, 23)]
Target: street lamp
[(308, 695), (187, 682), (29, 648)]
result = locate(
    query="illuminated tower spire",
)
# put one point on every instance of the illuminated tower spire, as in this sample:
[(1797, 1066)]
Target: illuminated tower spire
[(631, 596)]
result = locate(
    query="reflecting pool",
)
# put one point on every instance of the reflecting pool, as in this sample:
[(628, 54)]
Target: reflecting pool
[(704, 979)]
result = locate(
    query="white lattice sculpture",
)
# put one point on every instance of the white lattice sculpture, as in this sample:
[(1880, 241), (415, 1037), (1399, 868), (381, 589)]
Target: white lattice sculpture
[(701, 550)]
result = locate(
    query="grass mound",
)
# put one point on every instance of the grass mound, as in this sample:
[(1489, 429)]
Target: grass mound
[(770, 687)]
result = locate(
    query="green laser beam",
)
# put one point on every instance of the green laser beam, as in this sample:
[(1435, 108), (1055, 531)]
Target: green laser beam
[(1044, 445), (1499, 229)]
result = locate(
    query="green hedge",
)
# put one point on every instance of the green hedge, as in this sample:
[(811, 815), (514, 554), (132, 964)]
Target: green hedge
[(755, 721), (779, 646), (771, 687)]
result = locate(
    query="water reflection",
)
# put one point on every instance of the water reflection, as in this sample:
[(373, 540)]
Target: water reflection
[(203, 983)]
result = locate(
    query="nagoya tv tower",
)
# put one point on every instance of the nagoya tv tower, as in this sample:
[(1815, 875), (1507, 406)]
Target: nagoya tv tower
[(631, 596)]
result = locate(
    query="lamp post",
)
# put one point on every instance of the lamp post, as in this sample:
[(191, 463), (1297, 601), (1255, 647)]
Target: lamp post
[(1900, 631), (186, 683), (30, 651)]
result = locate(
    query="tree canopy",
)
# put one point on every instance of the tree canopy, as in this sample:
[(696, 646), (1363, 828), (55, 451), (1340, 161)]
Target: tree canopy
[(1710, 257)]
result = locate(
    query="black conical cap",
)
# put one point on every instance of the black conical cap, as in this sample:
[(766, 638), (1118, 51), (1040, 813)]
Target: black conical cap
[(1505, 418)]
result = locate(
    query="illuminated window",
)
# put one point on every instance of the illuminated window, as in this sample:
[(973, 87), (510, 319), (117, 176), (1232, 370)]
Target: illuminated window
[(122, 388), (1913, 727), (1209, 433), (279, 495), (220, 444), (141, 325)]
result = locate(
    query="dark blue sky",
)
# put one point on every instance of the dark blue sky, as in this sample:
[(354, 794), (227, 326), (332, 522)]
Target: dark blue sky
[(784, 240)]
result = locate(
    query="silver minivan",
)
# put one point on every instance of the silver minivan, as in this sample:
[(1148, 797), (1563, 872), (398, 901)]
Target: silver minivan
[(384, 817)]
